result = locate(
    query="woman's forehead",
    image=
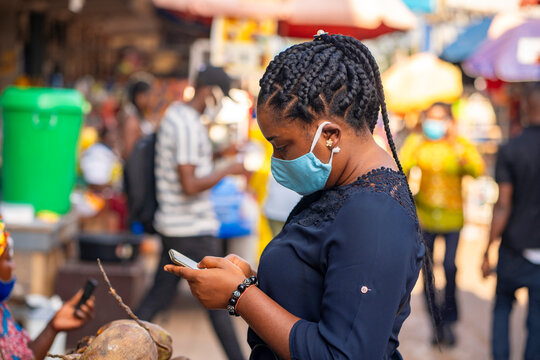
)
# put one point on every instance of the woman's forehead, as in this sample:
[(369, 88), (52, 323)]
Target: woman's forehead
[(274, 126), (437, 111)]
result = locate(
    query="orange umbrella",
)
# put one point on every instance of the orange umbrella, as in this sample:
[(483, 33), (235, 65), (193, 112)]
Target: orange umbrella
[(419, 81)]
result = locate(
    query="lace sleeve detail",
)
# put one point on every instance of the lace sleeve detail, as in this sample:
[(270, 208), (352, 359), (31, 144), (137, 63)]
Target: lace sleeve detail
[(322, 207), (393, 183)]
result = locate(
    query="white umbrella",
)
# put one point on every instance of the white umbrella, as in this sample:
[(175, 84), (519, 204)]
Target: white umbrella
[(358, 13), (485, 6)]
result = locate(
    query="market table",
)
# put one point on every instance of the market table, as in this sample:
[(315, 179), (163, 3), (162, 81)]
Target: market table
[(40, 249)]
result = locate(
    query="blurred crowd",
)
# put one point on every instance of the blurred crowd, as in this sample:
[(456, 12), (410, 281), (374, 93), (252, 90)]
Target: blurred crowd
[(179, 161)]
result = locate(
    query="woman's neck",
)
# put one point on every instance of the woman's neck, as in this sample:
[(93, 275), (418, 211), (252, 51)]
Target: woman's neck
[(367, 155)]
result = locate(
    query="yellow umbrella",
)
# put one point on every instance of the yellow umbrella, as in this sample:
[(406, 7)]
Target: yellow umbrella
[(419, 81)]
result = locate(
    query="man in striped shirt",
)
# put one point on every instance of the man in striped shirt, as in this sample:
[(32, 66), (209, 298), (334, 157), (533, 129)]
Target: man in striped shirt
[(185, 218)]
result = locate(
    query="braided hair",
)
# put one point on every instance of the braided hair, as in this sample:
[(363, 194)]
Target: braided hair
[(334, 75)]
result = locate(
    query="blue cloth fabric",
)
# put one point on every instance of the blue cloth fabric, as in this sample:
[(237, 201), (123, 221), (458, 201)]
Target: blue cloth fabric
[(421, 6), (467, 41), (345, 263), (514, 272), (444, 311)]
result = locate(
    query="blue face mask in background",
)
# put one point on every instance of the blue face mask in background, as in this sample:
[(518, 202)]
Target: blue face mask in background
[(5, 289), (305, 174), (434, 129)]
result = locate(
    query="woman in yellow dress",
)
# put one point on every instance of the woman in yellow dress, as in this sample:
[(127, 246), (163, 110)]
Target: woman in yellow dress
[(443, 158)]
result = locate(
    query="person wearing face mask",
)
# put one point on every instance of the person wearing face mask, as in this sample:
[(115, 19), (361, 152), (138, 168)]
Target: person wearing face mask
[(15, 344), (335, 283), (443, 159), (185, 218)]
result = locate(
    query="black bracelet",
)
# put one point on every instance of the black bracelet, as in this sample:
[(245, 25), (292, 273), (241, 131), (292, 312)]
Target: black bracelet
[(231, 307)]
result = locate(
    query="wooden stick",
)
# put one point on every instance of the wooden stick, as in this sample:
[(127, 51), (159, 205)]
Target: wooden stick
[(128, 310), (65, 357)]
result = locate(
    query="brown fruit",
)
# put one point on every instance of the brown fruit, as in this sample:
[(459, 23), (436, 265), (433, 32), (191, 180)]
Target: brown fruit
[(163, 338), (121, 341), (159, 334)]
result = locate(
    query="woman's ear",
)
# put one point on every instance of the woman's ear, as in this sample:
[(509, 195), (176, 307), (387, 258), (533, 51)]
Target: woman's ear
[(331, 135)]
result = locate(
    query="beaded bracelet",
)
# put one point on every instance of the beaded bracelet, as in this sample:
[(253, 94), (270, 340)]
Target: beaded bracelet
[(233, 301)]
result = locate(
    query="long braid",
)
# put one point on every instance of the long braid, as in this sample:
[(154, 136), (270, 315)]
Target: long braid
[(427, 264), (386, 120)]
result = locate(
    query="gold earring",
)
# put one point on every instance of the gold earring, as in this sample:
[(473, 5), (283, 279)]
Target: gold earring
[(329, 143)]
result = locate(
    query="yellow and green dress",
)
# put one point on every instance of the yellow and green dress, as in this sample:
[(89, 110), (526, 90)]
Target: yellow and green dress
[(443, 163)]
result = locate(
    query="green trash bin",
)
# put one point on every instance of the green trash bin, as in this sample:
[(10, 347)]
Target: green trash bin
[(41, 128)]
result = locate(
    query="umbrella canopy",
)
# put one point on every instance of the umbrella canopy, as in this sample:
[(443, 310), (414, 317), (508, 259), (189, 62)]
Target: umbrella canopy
[(364, 14), (514, 56), (503, 22), (467, 41), (485, 6), (419, 81)]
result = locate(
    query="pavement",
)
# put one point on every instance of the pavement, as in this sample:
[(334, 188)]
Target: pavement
[(193, 336)]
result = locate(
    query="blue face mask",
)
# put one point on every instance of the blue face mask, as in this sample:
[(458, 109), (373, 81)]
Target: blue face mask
[(434, 129), (305, 174), (5, 288)]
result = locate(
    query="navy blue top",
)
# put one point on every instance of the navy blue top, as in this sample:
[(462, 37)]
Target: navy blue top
[(345, 263), (518, 163)]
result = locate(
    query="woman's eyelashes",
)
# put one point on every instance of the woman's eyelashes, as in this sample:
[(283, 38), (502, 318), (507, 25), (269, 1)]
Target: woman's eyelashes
[(280, 151)]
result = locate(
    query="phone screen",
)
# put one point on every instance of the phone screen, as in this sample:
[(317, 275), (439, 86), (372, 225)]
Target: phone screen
[(182, 260)]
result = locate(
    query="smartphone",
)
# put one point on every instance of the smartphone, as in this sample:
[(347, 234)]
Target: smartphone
[(182, 260), (89, 288)]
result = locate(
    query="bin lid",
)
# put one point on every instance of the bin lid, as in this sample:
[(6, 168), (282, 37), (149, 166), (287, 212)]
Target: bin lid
[(43, 100)]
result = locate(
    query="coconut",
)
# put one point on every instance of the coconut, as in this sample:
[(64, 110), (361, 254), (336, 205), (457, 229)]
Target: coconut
[(160, 336), (125, 340)]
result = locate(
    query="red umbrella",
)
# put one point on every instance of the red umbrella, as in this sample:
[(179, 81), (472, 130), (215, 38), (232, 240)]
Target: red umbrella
[(307, 31)]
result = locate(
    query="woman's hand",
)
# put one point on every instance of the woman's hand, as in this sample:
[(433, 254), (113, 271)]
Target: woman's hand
[(214, 283), (68, 319), (64, 320), (242, 264)]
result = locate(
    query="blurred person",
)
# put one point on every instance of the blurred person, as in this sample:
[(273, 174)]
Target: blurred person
[(15, 344), (516, 220), (443, 158), (102, 171), (100, 166), (133, 118), (185, 218), (335, 283)]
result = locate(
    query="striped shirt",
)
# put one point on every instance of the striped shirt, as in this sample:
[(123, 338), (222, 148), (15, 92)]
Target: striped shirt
[(182, 140)]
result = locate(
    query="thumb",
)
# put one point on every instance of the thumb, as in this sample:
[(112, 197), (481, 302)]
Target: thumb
[(213, 262), (75, 299), (235, 259)]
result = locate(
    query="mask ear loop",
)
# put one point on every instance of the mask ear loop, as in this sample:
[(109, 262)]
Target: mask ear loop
[(318, 134), (334, 151)]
